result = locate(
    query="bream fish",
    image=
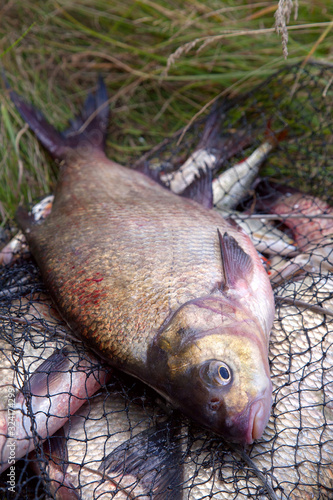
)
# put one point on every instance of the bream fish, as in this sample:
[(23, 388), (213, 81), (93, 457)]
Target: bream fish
[(113, 446), (163, 288)]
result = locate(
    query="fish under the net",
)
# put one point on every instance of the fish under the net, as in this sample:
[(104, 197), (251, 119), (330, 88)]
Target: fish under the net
[(122, 441)]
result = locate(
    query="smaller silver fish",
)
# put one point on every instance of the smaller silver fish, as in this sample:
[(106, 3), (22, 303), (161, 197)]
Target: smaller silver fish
[(49, 390), (211, 152), (231, 186)]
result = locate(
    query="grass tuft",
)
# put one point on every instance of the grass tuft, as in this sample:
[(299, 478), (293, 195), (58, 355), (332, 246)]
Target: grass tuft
[(163, 62)]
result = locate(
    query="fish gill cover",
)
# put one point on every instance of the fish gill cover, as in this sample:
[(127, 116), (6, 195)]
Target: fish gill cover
[(82, 431)]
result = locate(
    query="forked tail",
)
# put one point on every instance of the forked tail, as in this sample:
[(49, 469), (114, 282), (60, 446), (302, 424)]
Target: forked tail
[(87, 130)]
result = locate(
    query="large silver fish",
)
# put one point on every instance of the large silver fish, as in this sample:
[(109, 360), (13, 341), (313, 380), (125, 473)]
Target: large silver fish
[(163, 288)]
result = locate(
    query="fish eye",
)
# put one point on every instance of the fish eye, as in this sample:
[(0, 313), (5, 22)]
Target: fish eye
[(224, 372), (216, 373)]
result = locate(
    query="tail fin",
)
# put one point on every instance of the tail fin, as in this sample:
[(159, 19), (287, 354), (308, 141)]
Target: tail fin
[(224, 145), (87, 129)]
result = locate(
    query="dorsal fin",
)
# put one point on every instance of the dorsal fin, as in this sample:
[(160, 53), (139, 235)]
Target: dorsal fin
[(201, 189), (237, 265)]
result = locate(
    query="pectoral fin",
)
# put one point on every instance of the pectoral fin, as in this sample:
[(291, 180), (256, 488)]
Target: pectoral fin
[(237, 265)]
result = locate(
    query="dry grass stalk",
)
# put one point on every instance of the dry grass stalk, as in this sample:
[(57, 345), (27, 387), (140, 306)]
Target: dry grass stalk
[(282, 17)]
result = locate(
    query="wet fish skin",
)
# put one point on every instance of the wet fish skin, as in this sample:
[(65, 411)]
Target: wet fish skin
[(46, 381), (112, 446), (312, 234), (146, 265)]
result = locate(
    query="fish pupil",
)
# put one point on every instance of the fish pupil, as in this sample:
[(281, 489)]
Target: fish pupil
[(224, 373)]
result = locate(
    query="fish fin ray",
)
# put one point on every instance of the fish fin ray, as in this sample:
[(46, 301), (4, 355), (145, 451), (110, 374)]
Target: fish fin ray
[(46, 133), (153, 456), (47, 374), (56, 453), (237, 265), (272, 137), (201, 189), (88, 129), (151, 173), (94, 105), (214, 141), (55, 448)]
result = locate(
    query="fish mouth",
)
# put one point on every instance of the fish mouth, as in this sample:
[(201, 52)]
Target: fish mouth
[(258, 418)]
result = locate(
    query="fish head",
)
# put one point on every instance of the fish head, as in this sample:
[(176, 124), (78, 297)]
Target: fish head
[(211, 361)]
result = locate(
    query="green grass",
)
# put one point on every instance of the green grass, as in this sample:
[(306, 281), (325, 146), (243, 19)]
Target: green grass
[(53, 50)]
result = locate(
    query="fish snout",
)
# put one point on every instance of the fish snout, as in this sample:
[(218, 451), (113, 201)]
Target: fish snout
[(249, 425), (258, 419)]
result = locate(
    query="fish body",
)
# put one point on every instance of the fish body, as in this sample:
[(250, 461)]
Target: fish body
[(309, 229), (163, 288), (301, 213), (112, 446)]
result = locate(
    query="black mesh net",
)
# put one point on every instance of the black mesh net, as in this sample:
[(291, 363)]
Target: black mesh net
[(79, 430)]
